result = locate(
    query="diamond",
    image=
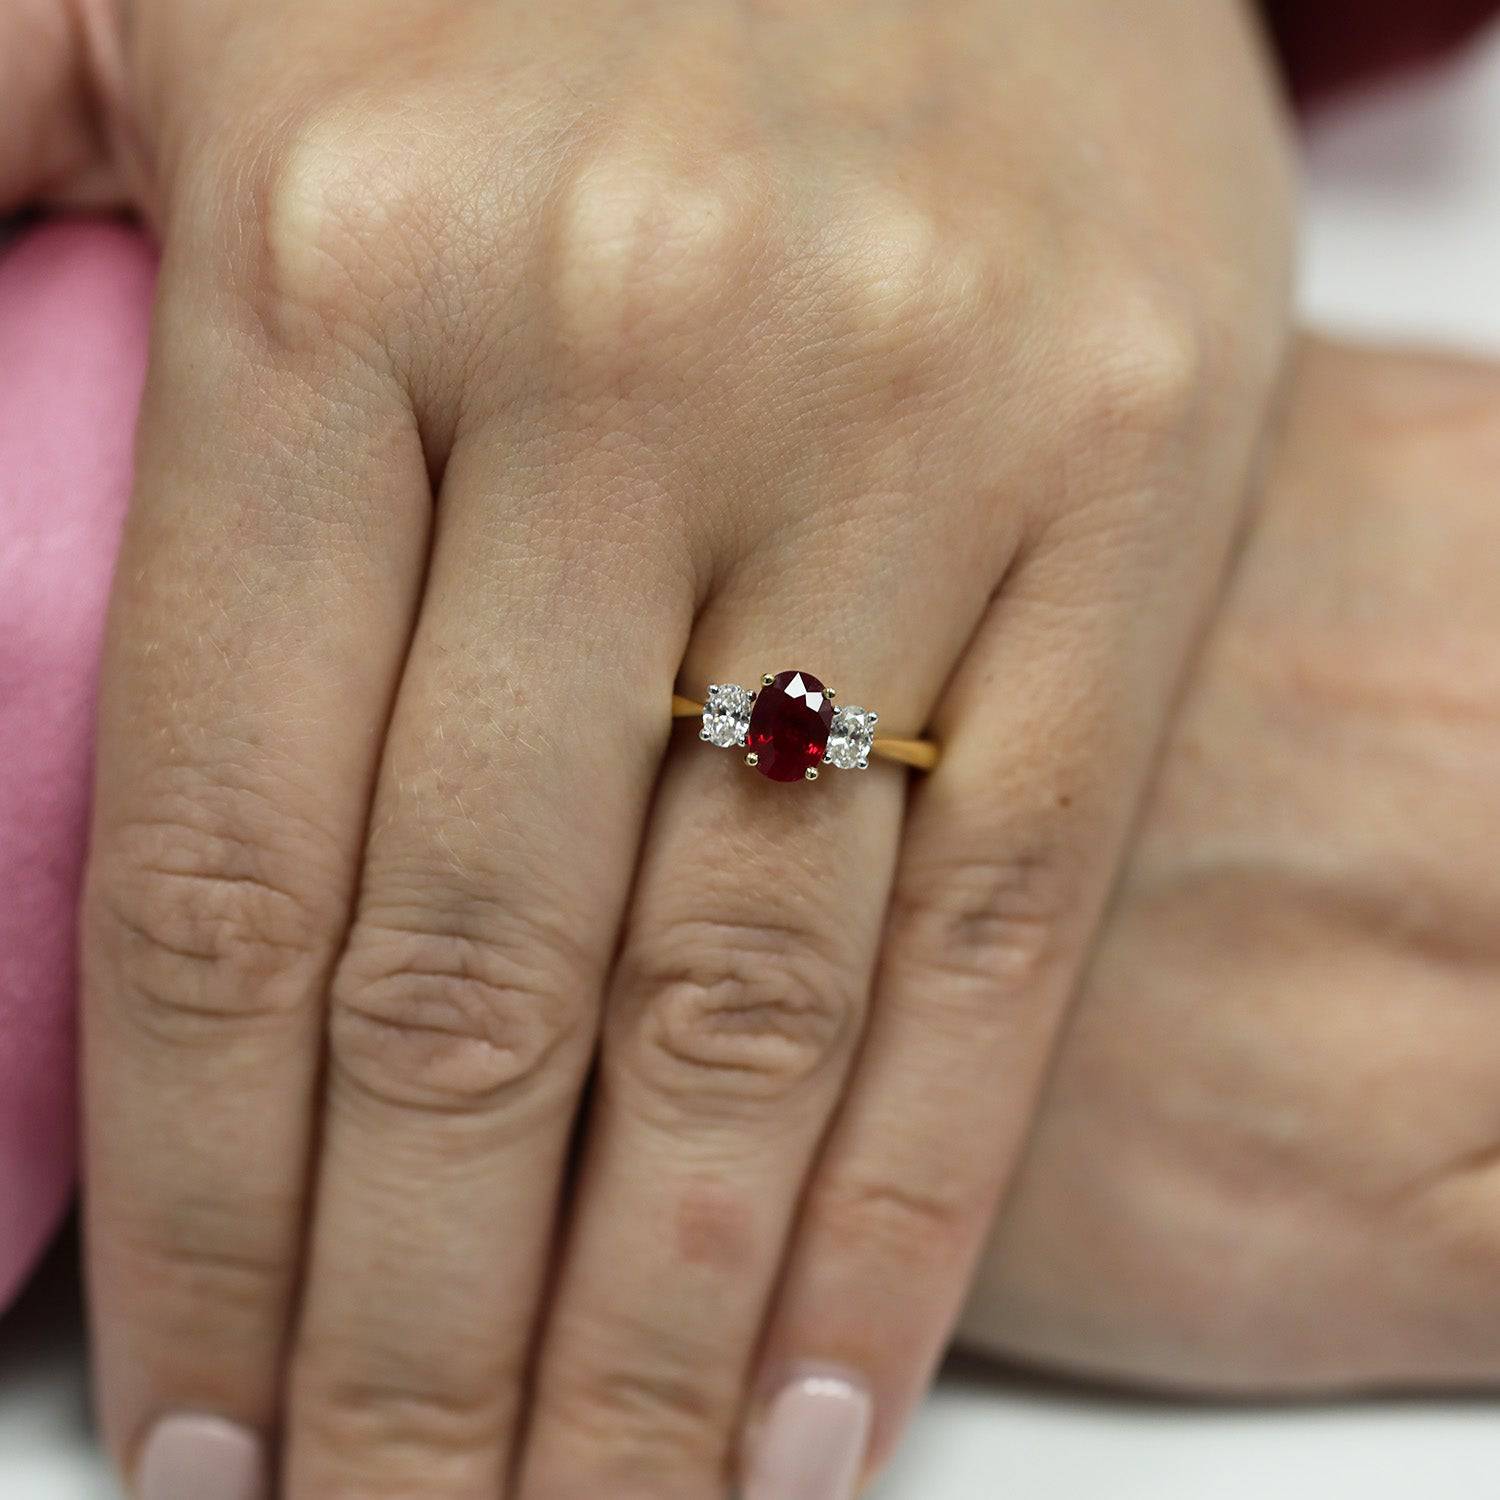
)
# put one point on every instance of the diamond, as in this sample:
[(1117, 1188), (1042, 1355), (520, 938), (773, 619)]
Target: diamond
[(789, 726), (726, 716), (850, 739)]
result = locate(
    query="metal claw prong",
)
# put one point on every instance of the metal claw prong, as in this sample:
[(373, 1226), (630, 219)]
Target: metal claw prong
[(873, 718), (767, 679), (811, 773), (832, 692), (752, 759), (702, 734), (864, 765)]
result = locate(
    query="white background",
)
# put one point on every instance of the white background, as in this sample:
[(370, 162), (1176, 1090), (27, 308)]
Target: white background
[(1404, 238)]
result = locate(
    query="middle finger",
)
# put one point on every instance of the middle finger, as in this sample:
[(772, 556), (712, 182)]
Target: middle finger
[(504, 833)]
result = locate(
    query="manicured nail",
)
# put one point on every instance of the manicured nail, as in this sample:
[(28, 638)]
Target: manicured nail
[(201, 1458), (811, 1445)]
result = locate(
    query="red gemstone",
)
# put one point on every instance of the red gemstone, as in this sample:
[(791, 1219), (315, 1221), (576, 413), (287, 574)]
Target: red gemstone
[(789, 726)]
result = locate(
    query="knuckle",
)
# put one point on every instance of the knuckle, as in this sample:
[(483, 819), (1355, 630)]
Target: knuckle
[(332, 215), (898, 273), (654, 1416), (200, 1257), (428, 1015), (1145, 360), (738, 1010), (987, 922), (188, 928), (901, 1221), (422, 1413), (643, 248), (313, 195)]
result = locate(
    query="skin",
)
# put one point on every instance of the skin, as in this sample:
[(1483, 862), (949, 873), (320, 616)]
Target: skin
[(1266, 1162), (514, 364)]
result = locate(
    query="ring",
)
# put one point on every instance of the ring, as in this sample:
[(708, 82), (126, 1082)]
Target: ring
[(789, 728)]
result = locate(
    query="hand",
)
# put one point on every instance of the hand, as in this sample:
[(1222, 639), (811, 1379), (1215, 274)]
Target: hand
[(514, 364), (1266, 1162)]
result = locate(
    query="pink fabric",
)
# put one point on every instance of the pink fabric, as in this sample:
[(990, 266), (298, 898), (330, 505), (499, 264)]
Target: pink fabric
[(74, 305)]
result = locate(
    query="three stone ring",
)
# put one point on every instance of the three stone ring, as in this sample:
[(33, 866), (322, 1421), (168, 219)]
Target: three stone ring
[(789, 728)]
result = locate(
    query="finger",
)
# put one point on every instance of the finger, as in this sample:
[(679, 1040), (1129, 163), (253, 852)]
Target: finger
[(518, 772), (732, 1019), (1008, 858), (48, 144), (269, 571)]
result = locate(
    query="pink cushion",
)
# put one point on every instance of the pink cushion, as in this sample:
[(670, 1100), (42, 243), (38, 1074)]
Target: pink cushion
[(74, 305)]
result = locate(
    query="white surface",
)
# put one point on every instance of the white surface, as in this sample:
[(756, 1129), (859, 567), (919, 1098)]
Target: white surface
[(1404, 238), (1404, 210), (977, 1439)]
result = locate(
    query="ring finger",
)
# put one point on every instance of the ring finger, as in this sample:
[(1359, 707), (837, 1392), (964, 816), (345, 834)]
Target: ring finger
[(733, 1016)]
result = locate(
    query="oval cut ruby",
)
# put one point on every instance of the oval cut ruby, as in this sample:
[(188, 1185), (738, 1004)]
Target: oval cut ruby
[(789, 726)]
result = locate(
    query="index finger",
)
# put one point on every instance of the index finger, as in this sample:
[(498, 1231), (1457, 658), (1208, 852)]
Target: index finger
[(271, 562)]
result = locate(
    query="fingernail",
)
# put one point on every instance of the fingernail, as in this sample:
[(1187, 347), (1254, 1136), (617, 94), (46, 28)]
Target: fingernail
[(201, 1458), (811, 1445)]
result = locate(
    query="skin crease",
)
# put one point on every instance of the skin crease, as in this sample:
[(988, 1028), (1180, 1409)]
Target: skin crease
[(513, 364), (1266, 1161)]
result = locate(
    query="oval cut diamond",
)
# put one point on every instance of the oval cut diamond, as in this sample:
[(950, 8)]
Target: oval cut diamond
[(789, 726), (851, 739), (726, 715)]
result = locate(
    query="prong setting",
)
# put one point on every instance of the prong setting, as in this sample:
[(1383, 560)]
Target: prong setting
[(789, 727)]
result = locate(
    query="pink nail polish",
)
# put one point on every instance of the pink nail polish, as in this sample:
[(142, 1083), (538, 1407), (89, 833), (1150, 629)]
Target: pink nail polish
[(201, 1458), (811, 1445)]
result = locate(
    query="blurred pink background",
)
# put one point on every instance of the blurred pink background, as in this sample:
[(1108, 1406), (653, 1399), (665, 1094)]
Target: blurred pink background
[(74, 300)]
